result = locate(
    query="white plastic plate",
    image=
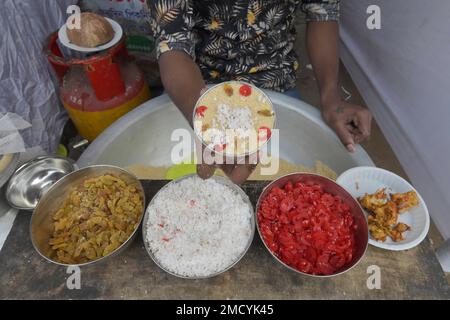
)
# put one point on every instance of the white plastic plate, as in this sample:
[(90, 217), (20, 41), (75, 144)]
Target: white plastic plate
[(118, 32), (361, 180)]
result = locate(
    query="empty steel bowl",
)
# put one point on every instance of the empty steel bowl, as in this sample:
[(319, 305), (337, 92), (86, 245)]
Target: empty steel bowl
[(33, 179), (329, 186), (41, 226)]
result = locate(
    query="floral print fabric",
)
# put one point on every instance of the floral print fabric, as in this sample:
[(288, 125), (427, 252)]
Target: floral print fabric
[(246, 40)]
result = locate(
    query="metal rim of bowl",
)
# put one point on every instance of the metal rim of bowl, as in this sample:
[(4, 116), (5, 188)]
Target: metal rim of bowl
[(117, 250), (270, 186), (9, 170), (224, 153), (27, 164), (220, 180), (40, 158)]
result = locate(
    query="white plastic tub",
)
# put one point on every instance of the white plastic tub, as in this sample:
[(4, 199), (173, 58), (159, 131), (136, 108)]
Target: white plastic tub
[(143, 137)]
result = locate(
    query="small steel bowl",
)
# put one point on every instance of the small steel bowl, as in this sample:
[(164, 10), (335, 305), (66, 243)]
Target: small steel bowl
[(237, 158), (329, 186), (220, 180), (41, 225), (34, 178)]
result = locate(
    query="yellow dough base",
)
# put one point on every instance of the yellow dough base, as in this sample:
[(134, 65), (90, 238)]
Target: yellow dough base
[(285, 167)]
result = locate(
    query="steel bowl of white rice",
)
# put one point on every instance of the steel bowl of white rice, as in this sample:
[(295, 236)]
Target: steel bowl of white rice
[(198, 229)]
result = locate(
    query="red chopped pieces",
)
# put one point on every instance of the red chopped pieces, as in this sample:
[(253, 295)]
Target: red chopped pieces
[(307, 228)]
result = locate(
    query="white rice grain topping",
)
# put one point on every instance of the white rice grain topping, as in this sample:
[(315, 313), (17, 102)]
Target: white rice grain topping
[(197, 227), (234, 118)]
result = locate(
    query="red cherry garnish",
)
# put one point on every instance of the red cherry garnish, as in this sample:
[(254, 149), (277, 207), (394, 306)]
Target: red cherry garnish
[(264, 134), (245, 90)]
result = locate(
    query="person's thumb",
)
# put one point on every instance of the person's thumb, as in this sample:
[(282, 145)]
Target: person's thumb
[(345, 136), (241, 173)]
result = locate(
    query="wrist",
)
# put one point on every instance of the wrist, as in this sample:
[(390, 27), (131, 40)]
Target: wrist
[(329, 98)]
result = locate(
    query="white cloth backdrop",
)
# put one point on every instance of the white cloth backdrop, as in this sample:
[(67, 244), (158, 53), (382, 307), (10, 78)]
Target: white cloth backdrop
[(27, 89), (403, 72), (28, 98)]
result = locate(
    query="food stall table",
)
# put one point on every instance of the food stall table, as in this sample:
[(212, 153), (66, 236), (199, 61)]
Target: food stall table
[(413, 274)]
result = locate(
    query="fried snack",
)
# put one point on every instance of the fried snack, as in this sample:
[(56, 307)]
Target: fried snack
[(377, 230), (95, 219), (397, 236), (405, 201), (373, 201), (397, 232), (402, 227), (383, 219), (387, 213), (380, 231)]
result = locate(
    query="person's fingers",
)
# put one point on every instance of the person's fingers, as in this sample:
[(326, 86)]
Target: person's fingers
[(205, 171), (356, 134), (238, 173), (227, 169), (345, 136), (365, 122), (241, 173), (351, 147), (358, 138)]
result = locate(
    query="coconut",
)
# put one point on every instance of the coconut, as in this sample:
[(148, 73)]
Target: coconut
[(95, 30)]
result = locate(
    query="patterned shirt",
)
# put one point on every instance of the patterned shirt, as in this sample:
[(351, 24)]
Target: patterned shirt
[(246, 40)]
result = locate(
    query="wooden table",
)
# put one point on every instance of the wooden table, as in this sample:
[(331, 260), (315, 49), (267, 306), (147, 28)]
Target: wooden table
[(413, 274)]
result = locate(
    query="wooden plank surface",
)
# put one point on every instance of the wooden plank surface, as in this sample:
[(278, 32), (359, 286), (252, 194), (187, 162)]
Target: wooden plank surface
[(414, 274)]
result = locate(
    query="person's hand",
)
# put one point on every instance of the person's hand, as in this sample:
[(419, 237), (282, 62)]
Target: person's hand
[(352, 123), (238, 172)]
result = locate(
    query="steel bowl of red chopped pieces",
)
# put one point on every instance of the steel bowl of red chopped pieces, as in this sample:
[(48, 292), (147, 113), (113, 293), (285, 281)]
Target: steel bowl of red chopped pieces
[(311, 225)]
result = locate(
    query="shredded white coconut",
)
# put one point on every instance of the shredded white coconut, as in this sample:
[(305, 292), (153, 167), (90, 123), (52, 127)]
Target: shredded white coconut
[(231, 124), (233, 118), (197, 227)]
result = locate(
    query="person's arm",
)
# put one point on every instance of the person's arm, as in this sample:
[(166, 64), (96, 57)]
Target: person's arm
[(182, 80), (172, 23), (184, 83), (351, 123), (322, 45)]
